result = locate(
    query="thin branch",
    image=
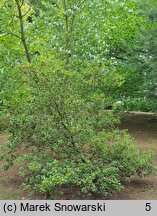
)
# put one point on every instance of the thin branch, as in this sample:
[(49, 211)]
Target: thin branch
[(9, 33), (72, 24), (79, 4), (23, 38), (72, 21), (15, 35), (119, 57), (22, 3), (67, 29), (62, 122), (4, 4), (26, 12)]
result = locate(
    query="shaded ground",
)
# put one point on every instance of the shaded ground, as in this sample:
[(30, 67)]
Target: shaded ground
[(141, 126), (9, 182)]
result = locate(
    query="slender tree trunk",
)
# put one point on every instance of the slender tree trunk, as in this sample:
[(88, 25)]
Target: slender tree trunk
[(69, 26), (67, 31), (23, 37)]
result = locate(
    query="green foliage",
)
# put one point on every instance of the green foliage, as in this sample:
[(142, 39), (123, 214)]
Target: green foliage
[(99, 171), (4, 121), (67, 136), (139, 89), (59, 75), (140, 104)]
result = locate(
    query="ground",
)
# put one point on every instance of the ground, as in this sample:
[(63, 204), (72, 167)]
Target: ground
[(142, 127), (9, 183)]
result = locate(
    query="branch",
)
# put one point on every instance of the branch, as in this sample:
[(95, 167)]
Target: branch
[(14, 35), (72, 23), (3, 4), (26, 12), (9, 33), (67, 30), (22, 3), (63, 124), (23, 38), (119, 57), (78, 5)]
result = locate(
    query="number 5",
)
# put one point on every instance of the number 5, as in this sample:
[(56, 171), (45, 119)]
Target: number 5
[(148, 207)]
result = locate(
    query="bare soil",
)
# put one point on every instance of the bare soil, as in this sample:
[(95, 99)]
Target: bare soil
[(9, 181), (141, 126)]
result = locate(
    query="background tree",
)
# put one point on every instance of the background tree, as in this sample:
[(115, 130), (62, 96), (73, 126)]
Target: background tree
[(140, 86), (62, 73)]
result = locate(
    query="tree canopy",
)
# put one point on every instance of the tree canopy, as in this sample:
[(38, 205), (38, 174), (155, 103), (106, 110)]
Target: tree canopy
[(62, 63)]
